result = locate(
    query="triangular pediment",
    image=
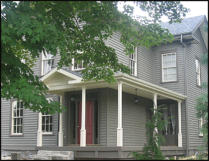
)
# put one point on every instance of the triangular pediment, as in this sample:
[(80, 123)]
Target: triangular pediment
[(59, 77)]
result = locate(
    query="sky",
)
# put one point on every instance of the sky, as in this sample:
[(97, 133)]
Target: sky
[(197, 8)]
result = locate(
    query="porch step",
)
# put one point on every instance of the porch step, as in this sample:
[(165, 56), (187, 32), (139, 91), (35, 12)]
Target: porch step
[(54, 155)]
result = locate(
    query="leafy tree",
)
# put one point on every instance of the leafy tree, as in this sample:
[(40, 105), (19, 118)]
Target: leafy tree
[(151, 150), (31, 27), (202, 105)]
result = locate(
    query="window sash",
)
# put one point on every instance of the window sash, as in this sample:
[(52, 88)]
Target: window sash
[(198, 78), (133, 63), (46, 121), (17, 118), (47, 63), (169, 63)]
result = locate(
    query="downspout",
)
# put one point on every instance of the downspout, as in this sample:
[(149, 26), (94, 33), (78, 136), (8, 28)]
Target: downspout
[(185, 87)]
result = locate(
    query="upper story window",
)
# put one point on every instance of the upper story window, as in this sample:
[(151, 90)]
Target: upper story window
[(169, 70), (17, 118), (197, 64), (77, 66), (47, 63), (133, 63)]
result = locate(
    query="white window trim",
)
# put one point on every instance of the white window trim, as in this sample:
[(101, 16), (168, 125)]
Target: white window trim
[(198, 73), (163, 80), (12, 125), (42, 64), (73, 66), (135, 61), (200, 126), (73, 63), (44, 132)]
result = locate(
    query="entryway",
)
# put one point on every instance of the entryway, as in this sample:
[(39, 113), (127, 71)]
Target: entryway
[(74, 114)]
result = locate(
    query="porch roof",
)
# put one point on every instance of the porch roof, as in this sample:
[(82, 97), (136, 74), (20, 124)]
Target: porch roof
[(60, 80)]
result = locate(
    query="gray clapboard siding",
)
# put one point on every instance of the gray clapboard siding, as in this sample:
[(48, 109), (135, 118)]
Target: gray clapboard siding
[(179, 85), (115, 43), (134, 120), (102, 109), (144, 64), (193, 91), (29, 127)]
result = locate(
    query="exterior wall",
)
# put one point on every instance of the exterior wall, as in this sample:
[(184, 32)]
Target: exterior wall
[(115, 43), (193, 91), (179, 85), (134, 119), (145, 64), (29, 128)]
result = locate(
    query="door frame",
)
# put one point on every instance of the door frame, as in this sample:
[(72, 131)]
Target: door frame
[(93, 121)]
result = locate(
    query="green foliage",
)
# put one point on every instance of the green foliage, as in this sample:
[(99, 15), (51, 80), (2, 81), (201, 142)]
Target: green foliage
[(30, 27), (151, 150), (202, 105)]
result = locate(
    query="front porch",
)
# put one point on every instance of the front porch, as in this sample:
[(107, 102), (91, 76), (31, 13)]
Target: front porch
[(104, 118), (104, 152)]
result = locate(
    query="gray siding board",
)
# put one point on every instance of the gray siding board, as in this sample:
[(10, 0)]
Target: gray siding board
[(102, 109), (144, 64), (115, 43), (178, 86), (134, 120), (29, 129), (193, 91)]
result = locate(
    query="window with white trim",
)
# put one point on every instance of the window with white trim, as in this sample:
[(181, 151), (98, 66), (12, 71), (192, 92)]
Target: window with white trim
[(169, 70), (47, 62), (197, 65), (133, 63), (76, 66), (200, 122), (47, 121), (17, 118)]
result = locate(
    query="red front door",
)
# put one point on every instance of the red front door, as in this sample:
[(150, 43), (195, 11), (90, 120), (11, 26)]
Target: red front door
[(89, 122)]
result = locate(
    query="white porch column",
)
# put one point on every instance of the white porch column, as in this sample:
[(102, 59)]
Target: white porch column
[(83, 119), (120, 129), (155, 107), (179, 120), (39, 132), (60, 141)]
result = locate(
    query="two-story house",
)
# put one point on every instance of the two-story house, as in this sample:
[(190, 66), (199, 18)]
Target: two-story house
[(105, 120)]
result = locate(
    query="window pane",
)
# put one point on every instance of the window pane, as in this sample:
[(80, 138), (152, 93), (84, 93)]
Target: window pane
[(50, 127), (15, 129), (50, 119), (18, 113), (21, 112), (47, 119), (47, 128), (43, 120)]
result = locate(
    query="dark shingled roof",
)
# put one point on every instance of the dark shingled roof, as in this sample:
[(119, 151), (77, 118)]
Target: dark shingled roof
[(187, 25), (79, 74)]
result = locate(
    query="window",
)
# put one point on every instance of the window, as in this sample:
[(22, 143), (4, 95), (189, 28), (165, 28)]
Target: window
[(47, 63), (47, 122), (77, 66), (197, 64), (17, 118), (133, 63), (200, 122), (169, 70)]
